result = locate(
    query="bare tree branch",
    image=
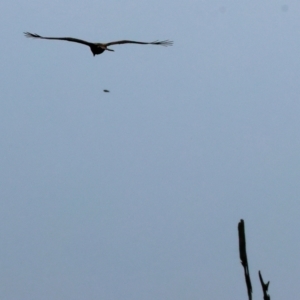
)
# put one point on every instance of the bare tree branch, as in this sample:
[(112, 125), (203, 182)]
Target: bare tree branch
[(243, 256)]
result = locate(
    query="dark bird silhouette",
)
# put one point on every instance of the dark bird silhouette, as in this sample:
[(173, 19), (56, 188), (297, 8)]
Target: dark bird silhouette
[(97, 48), (106, 91)]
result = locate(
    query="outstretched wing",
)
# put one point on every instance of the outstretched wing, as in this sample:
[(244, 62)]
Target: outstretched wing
[(69, 39), (162, 43)]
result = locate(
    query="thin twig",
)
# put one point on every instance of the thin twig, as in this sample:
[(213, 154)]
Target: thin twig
[(264, 287)]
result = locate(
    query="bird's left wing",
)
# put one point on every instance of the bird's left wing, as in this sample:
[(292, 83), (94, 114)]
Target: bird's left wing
[(69, 39)]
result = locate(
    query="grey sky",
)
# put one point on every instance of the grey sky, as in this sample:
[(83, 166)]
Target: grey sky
[(137, 193)]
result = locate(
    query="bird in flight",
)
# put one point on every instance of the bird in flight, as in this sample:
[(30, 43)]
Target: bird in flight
[(97, 48)]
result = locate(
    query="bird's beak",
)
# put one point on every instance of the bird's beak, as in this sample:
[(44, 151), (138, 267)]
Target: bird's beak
[(110, 49)]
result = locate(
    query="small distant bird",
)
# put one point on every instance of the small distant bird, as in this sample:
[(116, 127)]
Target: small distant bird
[(97, 48), (106, 91)]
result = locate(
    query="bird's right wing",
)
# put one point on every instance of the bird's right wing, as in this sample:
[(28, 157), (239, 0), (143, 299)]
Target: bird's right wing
[(162, 43), (69, 39)]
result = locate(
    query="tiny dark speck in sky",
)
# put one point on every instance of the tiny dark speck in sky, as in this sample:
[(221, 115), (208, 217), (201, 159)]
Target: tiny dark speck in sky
[(106, 91)]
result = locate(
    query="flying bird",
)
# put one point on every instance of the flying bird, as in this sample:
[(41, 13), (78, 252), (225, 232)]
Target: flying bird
[(97, 48)]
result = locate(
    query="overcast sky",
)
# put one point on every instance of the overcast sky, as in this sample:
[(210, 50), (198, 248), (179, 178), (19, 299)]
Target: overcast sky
[(137, 193)]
